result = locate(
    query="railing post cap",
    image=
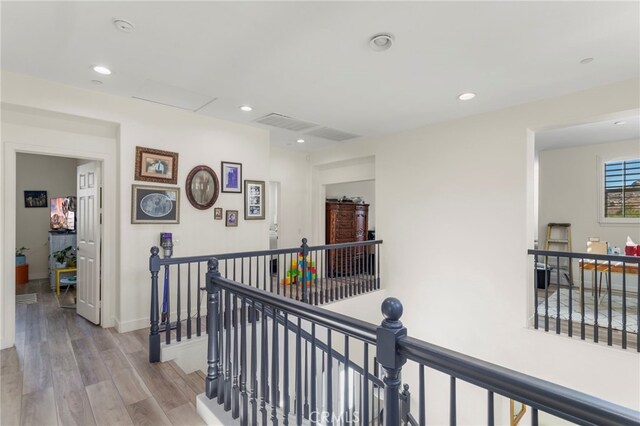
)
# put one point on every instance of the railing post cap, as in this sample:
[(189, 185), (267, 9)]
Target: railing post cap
[(154, 251), (212, 264), (304, 241), (391, 309)]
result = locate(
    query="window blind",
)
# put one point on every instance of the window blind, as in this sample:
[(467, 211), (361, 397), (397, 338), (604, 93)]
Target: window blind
[(622, 189)]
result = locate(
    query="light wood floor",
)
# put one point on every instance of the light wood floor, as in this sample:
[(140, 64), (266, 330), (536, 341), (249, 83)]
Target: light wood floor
[(67, 371)]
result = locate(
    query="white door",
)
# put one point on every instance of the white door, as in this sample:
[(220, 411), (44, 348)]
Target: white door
[(88, 234), (274, 199)]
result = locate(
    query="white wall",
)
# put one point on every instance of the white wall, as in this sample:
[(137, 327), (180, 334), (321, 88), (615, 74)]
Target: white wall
[(292, 170), (197, 139), (570, 192), (57, 176), (465, 189), (365, 189)]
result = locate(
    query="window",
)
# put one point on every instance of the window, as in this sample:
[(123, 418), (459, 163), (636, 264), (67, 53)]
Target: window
[(622, 189)]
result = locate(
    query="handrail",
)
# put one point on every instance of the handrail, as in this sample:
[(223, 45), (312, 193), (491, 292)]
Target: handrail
[(577, 255), (558, 400), (345, 324), (244, 254)]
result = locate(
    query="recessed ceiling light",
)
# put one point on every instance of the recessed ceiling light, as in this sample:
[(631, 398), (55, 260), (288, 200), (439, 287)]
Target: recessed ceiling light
[(467, 96), (586, 61), (300, 141), (246, 108), (619, 123), (102, 70), (381, 42), (124, 26)]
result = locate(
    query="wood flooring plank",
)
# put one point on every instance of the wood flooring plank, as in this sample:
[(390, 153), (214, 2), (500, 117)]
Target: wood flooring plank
[(128, 342), (166, 393), (37, 368), (103, 339), (130, 386), (185, 415), (61, 353), (10, 398), (197, 390), (72, 402), (179, 382), (106, 404), (35, 328), (115, 360), (147, 413), (9, 361), (38, 408), (90, 364), (198, 380)]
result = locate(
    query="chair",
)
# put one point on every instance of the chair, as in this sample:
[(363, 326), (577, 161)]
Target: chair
[(599, 247)]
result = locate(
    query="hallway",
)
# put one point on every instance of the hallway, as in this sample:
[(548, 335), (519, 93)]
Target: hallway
[(67, 371)]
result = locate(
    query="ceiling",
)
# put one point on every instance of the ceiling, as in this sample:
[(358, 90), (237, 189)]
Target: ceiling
[(312, 60)]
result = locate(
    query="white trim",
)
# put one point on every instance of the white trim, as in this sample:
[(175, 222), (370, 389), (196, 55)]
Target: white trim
[(132, 325), (601, 161), (38, 140)]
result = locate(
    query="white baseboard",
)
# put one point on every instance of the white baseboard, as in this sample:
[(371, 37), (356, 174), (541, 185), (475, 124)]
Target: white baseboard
[(131, 325), (189, 354)]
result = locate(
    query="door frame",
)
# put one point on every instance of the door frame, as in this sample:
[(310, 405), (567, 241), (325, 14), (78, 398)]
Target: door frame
[(110, 244)]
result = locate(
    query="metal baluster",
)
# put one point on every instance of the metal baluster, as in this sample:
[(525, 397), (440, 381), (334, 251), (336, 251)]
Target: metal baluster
[(298, 374), (535, 290), (332, 275), (278, 267), (313, 371), (235, 394), (609, 328), (582, 324), (346, 379), (263, 365), (258, 277), (421, 395), (595, 304), (285, 371), (329, 405), (275, 387), (221, 352), (244, 419), (189, 300), (254, 365), (167, 323), (490, 420), (534, 417), (249, 270), (305, 409), (265, 355), (241, 270), (227, 353), (315, 281), (638, 304), (624, 305), (546, 299), (558, 295), (365, 385), (452, 402), (570, 298), (264, 274), (154, 331), (198, 316), (343, 269), (178, 309)]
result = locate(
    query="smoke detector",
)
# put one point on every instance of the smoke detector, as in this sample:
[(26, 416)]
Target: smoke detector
[(124, 26), (381, 42)]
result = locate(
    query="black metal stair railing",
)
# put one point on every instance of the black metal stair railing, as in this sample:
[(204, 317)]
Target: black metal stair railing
[(273, 379), (574, 297), (314, 275)]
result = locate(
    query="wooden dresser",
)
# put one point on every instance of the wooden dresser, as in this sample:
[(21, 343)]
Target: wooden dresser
[(345, 223)]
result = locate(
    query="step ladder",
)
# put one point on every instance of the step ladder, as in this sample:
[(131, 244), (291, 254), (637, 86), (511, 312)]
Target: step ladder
[(559, 239)]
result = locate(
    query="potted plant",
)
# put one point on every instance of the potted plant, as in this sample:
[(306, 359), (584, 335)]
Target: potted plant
[(65, 257), (21, 258)]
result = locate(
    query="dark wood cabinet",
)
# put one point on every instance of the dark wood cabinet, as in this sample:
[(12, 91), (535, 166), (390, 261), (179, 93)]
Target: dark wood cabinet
[(346, 223)]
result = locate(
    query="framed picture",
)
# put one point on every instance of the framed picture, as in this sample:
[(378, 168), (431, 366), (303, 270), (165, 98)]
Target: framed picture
[(231, 177), (155, 204), (232, 218), (154, 165), (217, 213), (35, 199), (202, 187), (253, 199)]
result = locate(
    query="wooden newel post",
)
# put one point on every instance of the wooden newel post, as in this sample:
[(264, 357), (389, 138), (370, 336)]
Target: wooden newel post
[(387, 336), (304, 248), (154, 315), (213, 355)]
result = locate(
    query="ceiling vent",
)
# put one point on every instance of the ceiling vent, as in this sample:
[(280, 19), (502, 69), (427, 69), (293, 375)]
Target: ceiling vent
[(331, 134), (284, 122)]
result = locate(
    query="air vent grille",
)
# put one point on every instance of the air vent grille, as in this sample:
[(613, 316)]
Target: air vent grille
[(284, 122), (331, 134)]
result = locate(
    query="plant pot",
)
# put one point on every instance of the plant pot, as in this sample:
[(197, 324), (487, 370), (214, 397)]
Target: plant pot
[(21, 260), (59, 265)]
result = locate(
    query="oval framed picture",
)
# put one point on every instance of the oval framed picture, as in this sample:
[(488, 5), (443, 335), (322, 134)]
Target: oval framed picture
[(202, 187)]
